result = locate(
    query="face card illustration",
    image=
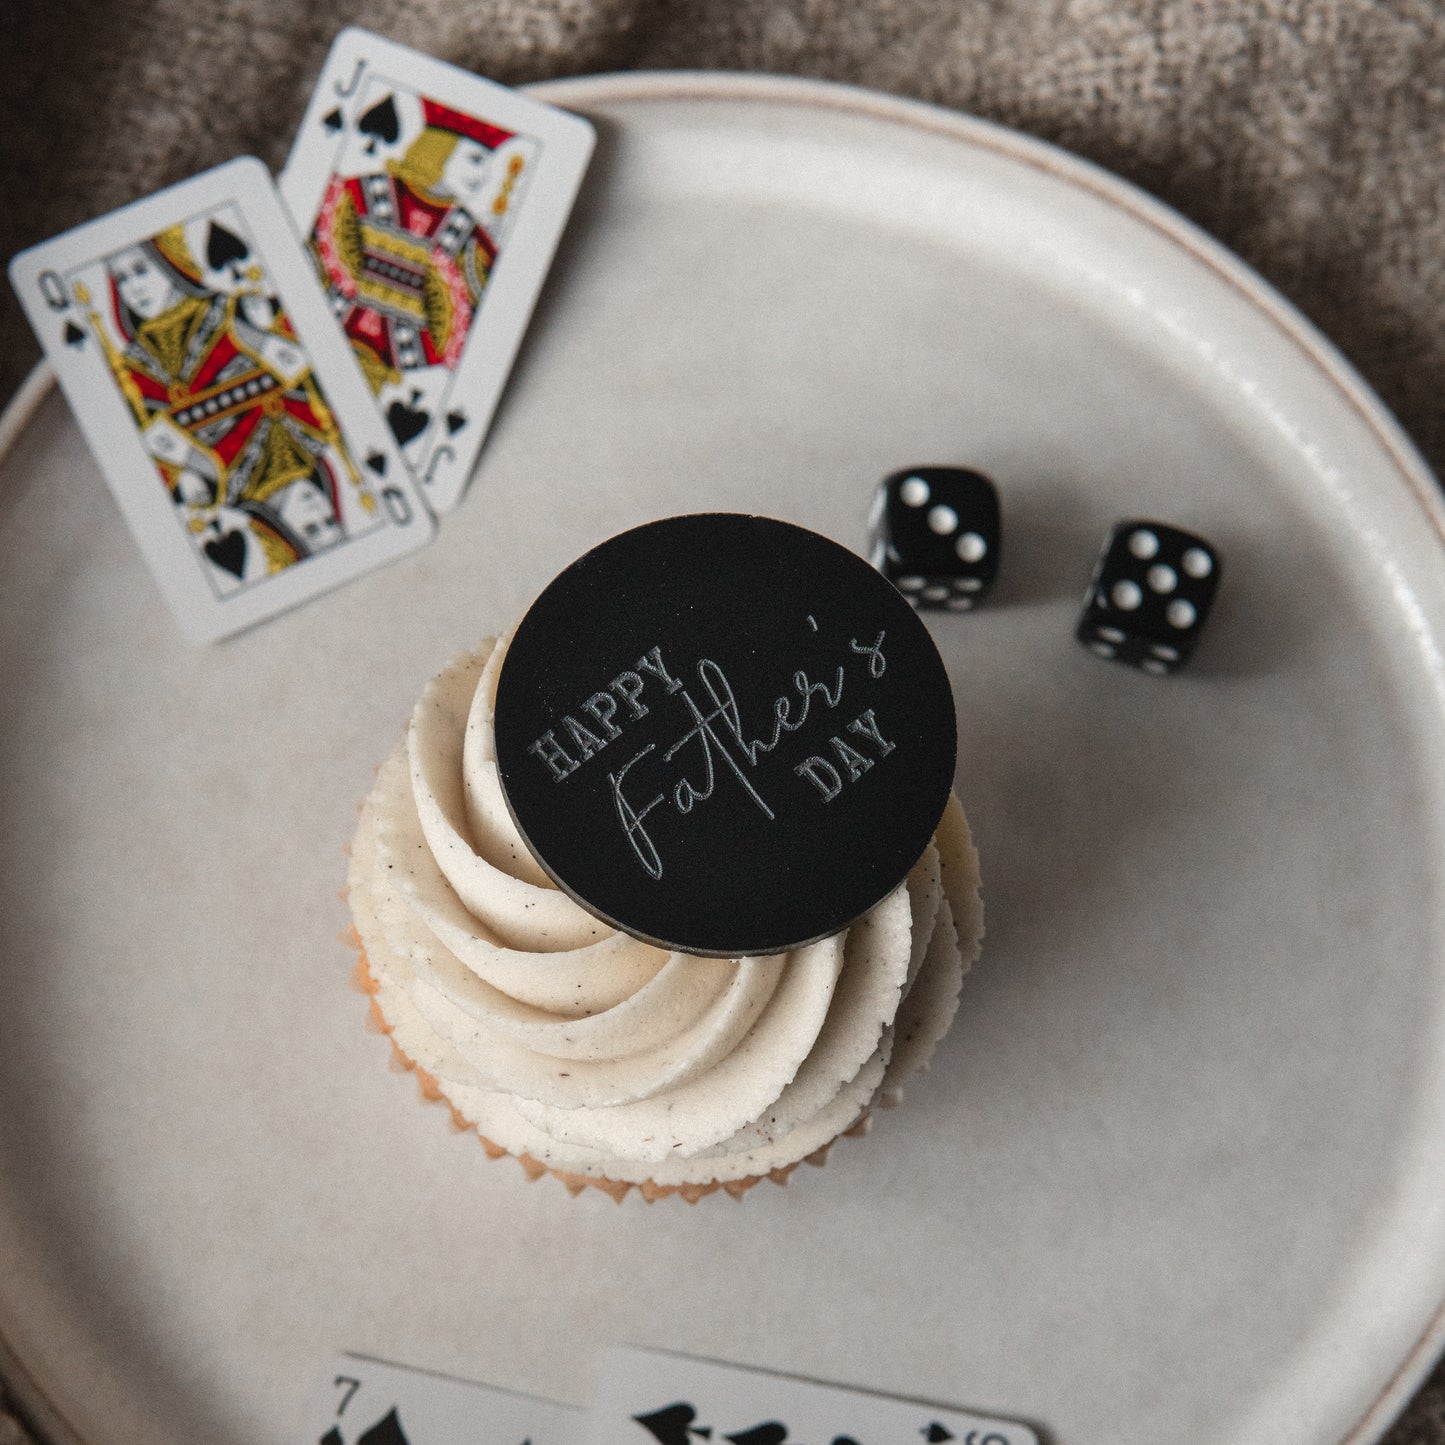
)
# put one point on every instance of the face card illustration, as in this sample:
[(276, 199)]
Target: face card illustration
[(228, 417), (432, 202), (650, 1398)]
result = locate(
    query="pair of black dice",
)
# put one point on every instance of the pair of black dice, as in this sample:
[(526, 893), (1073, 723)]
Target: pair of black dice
[(1151, 591), (936, 535)]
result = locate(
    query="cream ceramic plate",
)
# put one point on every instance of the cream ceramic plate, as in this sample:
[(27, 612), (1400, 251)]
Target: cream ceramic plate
[(1176, 1174)]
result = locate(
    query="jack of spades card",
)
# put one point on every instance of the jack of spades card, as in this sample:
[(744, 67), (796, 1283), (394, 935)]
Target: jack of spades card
[(410, 229), (432, 201)]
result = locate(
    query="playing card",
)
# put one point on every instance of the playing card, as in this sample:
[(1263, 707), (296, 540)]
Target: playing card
[(649, 1398), (362, 1401), (223, 408), (433, 201)]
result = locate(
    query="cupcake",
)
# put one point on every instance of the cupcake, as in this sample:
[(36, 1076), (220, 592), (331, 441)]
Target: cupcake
[(654, 899)]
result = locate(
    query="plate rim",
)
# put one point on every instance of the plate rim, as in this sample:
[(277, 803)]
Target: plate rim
[(18, 1385)]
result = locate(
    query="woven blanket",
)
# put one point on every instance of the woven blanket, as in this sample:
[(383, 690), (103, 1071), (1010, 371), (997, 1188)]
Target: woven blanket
[(1307, 135)]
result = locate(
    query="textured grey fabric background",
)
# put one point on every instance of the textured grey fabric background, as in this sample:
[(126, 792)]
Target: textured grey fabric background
[(1308, 135)]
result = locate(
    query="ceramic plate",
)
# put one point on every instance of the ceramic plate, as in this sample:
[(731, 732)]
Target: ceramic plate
[(1175, 1174)]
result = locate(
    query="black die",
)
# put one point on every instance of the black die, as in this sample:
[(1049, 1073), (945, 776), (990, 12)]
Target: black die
[(1151, 593), (935, 535)]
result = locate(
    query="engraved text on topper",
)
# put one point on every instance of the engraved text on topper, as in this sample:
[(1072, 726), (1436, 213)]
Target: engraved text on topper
[(722, 738)]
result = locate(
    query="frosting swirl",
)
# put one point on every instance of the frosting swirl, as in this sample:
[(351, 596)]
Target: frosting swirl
[(603, 1056)]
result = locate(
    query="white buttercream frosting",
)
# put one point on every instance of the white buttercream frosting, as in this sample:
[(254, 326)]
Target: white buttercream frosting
[(600, 1055)]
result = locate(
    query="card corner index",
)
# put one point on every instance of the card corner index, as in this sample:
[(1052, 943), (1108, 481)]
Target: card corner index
[(26, 271)]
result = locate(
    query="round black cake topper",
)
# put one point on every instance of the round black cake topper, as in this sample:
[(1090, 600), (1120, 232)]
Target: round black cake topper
[(725, 734)]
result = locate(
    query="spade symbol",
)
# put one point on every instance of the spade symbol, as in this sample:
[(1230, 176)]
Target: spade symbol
[(377, 462), (770, 1432), (673, 1424), (456, 420), (332, 120), (228, 551), (380, 123), (386, 1431), (407, 420), (224, 248), (333, 1437), (74, 336), (935, 1433)]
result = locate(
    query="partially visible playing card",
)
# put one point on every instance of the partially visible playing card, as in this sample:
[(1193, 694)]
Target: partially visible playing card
[(367, 1402), (433, 201), (649, 1398), (224, 409)]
